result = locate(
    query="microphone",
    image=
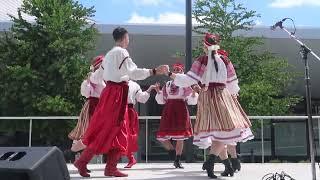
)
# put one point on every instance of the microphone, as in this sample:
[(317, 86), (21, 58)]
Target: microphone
[(279, 23)]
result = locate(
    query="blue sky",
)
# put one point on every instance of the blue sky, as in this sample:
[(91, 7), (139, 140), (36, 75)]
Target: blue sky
[(304, 12)]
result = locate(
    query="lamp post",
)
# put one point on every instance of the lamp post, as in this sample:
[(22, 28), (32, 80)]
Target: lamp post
[(188, 61)]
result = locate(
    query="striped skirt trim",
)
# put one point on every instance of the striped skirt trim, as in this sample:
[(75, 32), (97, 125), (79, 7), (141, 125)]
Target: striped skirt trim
[(204, 139)]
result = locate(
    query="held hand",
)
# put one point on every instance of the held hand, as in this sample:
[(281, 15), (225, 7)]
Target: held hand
[(172, 75), (157, 87), (152, 87), (162, 69), (149, 89), (193, 94), (196, 88)]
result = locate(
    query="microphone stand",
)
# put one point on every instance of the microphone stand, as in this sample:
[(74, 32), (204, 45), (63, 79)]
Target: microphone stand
[(304, 51)]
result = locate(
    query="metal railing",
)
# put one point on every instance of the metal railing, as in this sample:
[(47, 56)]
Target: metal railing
[(147, 118)]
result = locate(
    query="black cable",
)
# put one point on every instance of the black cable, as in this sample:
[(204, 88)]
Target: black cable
[(286, 175), (294, 26), (277, 176), (272, 175)]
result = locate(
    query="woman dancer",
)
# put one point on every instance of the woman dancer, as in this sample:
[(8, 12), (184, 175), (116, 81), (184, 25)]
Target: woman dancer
[(220, 118)]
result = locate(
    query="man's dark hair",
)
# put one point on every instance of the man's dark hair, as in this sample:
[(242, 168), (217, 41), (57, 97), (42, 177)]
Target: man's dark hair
[(118, 33)]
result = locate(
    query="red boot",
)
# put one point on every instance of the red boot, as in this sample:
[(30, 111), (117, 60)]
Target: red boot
[(132, 161), (111, 167), (81, 163)]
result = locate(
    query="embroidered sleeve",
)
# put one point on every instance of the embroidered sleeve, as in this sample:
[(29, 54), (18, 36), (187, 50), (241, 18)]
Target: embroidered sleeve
[(194, 75), (162, 95), (232, 80), (197, 69), (187, 91)]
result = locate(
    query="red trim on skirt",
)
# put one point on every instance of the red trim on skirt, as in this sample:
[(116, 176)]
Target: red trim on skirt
[(175, 120), (175, 134), (108, 126)]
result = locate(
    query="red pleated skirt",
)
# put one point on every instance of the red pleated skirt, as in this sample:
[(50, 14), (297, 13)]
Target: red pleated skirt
[(175, 121), (108, 126), (133, 129)]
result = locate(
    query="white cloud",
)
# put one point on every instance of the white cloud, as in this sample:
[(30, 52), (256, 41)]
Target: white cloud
[(258, 23), (136, 18), (163, 18), (293, 3), (11, 7)]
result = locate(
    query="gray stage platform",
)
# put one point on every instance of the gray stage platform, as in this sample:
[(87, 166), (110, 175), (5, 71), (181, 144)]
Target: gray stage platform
[(163, 171)]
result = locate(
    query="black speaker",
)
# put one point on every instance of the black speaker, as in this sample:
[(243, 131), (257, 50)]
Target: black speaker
[(32, 163)]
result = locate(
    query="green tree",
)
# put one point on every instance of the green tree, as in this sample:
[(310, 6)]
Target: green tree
[(43, 62), (263, 77)]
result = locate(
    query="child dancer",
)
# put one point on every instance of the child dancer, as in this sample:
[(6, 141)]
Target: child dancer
[(135, 95), (91, 89), (175, 121)]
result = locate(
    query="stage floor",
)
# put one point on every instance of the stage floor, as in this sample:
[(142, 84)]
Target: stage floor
[(165, 171)]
